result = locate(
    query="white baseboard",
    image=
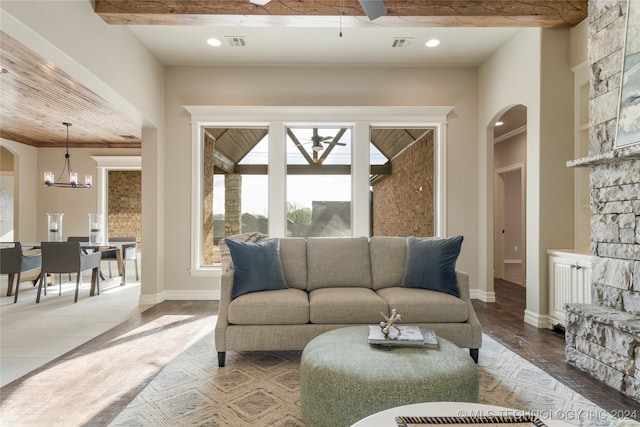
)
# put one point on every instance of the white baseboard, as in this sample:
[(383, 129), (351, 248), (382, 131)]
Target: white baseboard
[(482, 295), (151, 299), (538, 320), (185, 295)]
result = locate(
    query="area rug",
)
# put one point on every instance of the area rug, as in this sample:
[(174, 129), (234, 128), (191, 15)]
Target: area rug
[(262, 389)]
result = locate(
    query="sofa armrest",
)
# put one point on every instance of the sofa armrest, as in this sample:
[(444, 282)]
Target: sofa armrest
[(226, 285), (463, 285), (476, 327)]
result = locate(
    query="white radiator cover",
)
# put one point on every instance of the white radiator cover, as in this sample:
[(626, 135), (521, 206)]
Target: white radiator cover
[(569, 282)]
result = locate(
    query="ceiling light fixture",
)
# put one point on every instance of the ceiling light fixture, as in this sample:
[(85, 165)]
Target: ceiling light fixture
[(49, 179), (432, 43), (259, 2), (499, 123), (214, 42), (317, 146)]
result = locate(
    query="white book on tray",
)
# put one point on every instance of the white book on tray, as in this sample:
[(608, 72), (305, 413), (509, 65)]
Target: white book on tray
[(408, 336)]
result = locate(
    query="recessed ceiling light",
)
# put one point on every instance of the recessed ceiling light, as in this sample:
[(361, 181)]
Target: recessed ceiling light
[(214, 42), (432, 43), (499, 123), (259, 2)]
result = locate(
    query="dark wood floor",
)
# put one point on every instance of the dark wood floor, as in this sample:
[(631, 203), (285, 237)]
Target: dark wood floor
[(503, 321)]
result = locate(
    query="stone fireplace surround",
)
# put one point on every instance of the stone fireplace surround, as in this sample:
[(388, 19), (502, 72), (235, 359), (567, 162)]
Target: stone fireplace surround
[(603, 338)]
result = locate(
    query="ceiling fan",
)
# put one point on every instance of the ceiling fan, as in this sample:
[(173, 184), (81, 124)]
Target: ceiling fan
[(317, 141), (372, 8)]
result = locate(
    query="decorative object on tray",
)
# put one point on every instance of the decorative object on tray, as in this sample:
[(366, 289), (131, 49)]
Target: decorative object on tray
[(406, 336), (498, 421), (389, 322)]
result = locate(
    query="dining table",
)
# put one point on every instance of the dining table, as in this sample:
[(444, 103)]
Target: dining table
[(96, 247)]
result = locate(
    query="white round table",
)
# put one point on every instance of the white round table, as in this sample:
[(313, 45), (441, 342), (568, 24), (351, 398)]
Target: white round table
[(387, 418)]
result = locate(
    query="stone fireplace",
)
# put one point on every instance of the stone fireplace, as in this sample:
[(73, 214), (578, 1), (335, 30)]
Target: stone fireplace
[(603, 338)]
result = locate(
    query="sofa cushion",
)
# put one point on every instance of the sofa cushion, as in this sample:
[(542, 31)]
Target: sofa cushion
[(431, 264), (225, 256), (346, 305), (281, 307), (293, 255), (388, 259), (257, 266), (338, 262), (424, 306)]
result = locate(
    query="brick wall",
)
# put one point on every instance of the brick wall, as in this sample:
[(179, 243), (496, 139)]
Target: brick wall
[(603, 338), (125, 205), (403, 202)]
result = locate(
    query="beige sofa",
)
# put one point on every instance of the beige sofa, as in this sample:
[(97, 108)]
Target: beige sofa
[(334, 283)]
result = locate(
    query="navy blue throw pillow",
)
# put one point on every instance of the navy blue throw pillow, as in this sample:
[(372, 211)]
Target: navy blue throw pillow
[(257, 266), (431, 264)]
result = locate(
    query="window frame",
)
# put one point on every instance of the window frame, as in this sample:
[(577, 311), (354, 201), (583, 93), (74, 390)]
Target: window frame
[(277, 119)]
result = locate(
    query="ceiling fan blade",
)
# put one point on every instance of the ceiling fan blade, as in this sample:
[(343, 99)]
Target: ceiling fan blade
[(373, 8)]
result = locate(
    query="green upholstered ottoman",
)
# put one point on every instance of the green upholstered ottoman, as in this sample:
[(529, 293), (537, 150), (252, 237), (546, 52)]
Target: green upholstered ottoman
[(344, 379)]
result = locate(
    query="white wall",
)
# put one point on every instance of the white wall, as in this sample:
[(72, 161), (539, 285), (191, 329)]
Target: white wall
[(320, 87), (511, 151), (555, 226), (513, 215), (578, 43), (76, 204), (531, 69), (509, 154), (26, 198)]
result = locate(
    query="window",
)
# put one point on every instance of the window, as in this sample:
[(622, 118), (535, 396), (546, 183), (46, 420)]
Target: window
[(246, 167), (402, 182), (236, 180), (318, 182)]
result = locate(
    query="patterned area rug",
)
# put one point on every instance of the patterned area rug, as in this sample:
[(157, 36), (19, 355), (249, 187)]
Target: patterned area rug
[(262, 389)]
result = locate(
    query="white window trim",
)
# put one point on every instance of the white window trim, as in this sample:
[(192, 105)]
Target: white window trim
[(277, 118)]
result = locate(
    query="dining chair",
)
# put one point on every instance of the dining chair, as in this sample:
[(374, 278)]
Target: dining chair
[(78, 239), (13, 261), (68, 257), (129, 253)]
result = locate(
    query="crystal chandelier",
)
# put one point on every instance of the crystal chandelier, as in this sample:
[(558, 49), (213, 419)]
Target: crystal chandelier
[(49, 179)]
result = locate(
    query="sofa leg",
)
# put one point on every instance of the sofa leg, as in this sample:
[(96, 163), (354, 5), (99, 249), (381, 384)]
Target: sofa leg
[(221, 357), (474, 354)]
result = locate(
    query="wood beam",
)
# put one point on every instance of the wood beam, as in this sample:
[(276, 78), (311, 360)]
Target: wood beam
[(299, 146), (313, 169), (332, 145), (224, 163), (454, 13)]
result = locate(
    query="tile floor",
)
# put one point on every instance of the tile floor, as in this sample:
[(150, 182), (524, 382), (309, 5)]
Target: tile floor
[(33, 334)]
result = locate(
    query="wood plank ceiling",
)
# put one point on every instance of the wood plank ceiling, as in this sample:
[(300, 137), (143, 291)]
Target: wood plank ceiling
[(37, 96)]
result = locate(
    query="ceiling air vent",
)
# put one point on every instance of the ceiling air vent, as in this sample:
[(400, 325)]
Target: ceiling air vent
[(401, 41), (236, 41)]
